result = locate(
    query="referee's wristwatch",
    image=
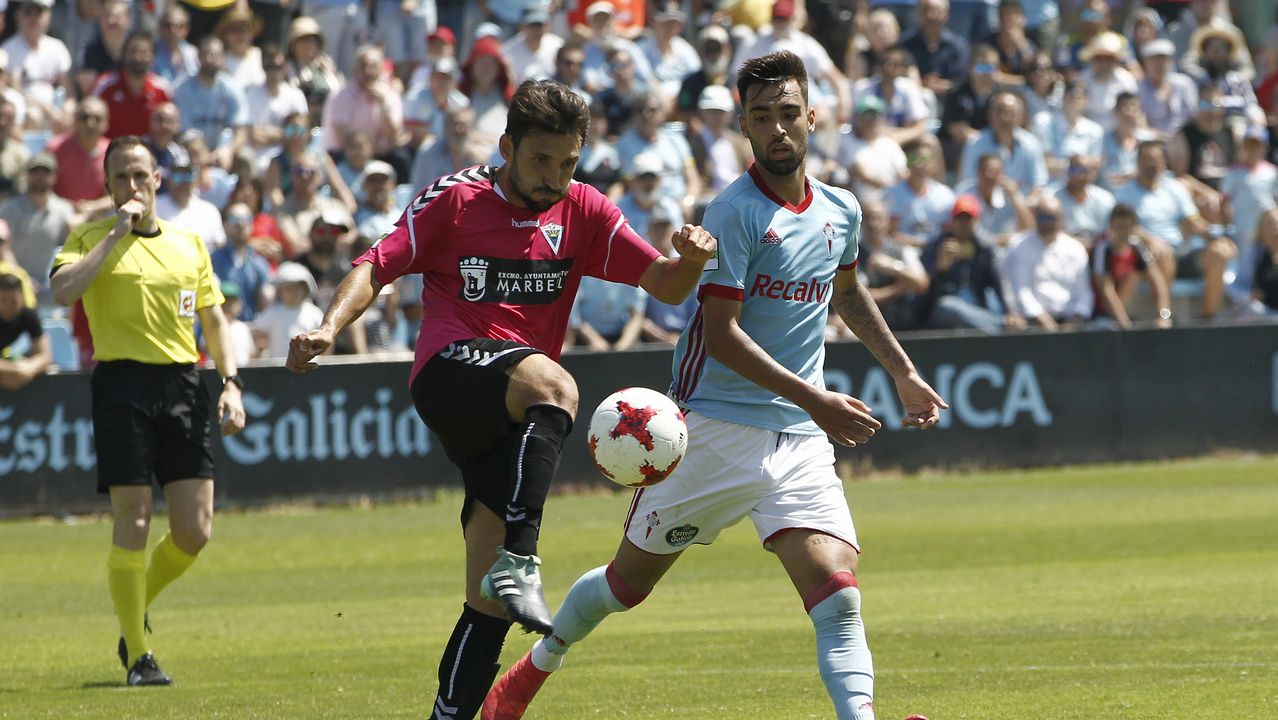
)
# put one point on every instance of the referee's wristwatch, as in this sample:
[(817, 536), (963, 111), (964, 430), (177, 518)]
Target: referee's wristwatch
[(235, 380)]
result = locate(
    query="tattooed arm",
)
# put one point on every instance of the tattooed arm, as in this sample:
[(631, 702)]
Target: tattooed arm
[(853, 303)]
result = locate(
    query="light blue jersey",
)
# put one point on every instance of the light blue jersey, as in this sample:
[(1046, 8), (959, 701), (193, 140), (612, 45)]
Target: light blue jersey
[(779, 260)]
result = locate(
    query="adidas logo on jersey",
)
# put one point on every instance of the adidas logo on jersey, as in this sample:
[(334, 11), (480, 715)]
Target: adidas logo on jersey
[(770, 238)]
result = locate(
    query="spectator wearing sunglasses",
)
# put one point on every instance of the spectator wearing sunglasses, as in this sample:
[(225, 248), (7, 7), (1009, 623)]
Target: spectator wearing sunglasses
[(304, 204), (238, 262)]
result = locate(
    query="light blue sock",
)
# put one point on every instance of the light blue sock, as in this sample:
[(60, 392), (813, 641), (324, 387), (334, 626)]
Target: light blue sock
[(588, 602), (843, 656)]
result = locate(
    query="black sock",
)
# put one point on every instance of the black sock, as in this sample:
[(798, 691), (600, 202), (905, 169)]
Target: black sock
[(538, 444), (469, 665)]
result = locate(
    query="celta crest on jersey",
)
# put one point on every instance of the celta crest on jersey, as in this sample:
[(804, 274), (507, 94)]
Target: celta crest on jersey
[(513, 281), (554, 233), (828, 231)]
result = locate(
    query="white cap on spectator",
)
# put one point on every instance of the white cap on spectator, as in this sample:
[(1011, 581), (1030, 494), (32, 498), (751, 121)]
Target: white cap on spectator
[(714, 32), (488, 30), (334, 217), (377, 167), (1256, 132), (603, 6), (446, 65), (291, 272), (1158, 47), (716, 97), (671, 11), (647, 164), (46, 4)]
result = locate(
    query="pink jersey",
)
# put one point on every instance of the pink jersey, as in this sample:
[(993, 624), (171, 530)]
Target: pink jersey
[(493, 270)]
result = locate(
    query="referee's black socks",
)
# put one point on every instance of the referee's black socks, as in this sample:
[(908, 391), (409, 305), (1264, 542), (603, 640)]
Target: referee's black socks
[(538, 445)]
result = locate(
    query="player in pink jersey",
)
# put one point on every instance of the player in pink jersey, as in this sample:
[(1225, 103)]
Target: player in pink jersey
[(501, 252)]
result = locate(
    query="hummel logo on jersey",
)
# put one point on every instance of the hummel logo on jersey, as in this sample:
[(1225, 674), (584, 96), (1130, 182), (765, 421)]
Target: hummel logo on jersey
[(474, 356), (524, 223), (554, 233), (770, 238)]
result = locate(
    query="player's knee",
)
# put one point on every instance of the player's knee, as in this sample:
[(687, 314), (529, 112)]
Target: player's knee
[(191, 541), (541, 381), (839, 594)]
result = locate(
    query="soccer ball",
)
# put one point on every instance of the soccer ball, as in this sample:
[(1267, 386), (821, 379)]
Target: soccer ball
[(637, 437)]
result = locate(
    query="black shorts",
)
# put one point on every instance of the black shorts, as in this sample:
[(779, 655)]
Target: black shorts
[(1190, 265), (151, 423), (460, 394)]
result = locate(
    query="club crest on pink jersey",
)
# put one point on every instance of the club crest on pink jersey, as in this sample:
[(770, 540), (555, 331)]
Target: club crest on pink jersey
[(554, 234)]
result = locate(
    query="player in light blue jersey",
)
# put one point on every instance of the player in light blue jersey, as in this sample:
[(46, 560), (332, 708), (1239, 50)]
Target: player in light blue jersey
[(748, 372)]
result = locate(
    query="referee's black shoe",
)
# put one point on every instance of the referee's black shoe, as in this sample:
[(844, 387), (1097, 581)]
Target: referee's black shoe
[(147, 672), (123, 650), (515, 581)]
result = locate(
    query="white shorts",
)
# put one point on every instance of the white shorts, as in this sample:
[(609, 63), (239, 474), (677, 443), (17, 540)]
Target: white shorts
[(781, 481)]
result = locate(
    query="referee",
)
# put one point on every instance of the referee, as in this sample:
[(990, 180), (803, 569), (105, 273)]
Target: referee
[(143, 282)]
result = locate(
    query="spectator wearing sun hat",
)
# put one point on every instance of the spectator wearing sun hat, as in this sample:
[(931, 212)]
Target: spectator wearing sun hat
[(311, 69), (1105, 77), (237, 29)]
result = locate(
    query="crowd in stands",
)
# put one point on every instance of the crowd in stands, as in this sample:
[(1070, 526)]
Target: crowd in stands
[(1020, 163)]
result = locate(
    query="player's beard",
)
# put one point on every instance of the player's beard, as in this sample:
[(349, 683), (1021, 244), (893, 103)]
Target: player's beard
[(535, 199), (787, 166)]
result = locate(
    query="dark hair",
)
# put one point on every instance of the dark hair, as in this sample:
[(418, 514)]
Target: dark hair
[(914, 147), (134, 36), (772, 69), (1122, 211), (1146, 144), (273, 50), (125, 142), (1125, 96), (10, 282), (546, 106)]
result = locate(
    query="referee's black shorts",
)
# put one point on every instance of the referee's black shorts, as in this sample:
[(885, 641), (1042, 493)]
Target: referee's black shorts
[(151, 423), (460, 394)]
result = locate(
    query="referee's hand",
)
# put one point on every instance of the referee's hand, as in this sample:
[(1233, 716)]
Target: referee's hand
[(303, 349)]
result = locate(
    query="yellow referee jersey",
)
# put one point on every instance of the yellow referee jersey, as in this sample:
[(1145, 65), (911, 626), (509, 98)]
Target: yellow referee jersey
[(143, 302)]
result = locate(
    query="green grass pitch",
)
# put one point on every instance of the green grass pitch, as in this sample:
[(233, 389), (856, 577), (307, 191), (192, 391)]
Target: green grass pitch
[(1119, 592)]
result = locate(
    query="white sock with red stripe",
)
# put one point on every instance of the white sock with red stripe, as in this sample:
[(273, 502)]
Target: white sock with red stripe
[(843, 656), (596, 595)]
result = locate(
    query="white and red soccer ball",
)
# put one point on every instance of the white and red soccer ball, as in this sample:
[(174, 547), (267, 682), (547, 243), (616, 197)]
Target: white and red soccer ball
[(637, 437)]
